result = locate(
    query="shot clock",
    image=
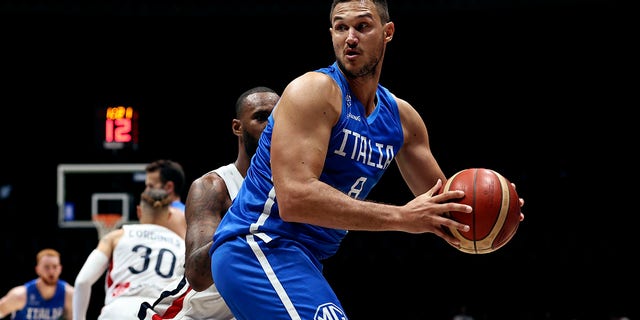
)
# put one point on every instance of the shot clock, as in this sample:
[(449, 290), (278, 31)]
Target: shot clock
[(120, 128)]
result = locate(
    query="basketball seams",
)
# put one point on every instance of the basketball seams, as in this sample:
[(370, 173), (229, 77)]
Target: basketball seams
[(487, 243), (502, 209)]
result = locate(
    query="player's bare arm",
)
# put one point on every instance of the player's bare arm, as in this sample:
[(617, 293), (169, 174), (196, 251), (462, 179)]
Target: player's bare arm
[(297, 164), (14, 300), (206, 202), (416, 163), (109, 241)]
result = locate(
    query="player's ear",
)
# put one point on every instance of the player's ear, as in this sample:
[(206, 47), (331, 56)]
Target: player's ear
[(138, 211), (169, 186), (236, 126), (389, 30)]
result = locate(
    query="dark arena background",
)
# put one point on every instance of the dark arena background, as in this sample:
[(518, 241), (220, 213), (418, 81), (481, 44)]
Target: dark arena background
[(539, 91)]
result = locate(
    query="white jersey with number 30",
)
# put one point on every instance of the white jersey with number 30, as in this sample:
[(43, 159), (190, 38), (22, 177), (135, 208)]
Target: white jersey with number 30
[(146, 259)]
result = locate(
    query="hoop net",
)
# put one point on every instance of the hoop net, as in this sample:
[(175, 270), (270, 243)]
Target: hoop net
[(106, 222)]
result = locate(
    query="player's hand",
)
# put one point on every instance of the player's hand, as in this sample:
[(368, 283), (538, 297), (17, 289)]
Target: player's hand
[(425, 213), (521, 203)]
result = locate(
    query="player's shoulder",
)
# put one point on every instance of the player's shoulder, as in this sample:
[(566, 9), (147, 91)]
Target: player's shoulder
[(406, 110), (402, 103), (207, 187), (312, 91), (212, 183), (18, 291), (116, 234), (312, 81), (16, 298), (68, 287), (208, 179)]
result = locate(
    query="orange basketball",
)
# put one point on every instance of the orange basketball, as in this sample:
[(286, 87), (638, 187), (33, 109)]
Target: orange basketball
[(496, 210)]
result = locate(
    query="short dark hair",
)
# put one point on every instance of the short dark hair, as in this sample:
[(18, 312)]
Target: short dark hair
[(381, 5), (244, 95), (169, 171)]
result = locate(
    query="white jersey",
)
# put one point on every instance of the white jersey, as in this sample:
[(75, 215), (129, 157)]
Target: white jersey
[(179, 300), (146, 259), (232, 178)]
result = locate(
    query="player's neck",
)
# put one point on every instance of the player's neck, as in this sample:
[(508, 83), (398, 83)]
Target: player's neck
[(365, 89), (46, 290), (242, 163)]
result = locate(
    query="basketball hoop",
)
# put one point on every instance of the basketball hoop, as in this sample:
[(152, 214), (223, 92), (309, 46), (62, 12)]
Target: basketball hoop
[(106, 222)]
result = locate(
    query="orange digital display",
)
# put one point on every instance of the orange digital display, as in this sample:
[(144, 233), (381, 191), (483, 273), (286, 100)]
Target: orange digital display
[(120, 127)]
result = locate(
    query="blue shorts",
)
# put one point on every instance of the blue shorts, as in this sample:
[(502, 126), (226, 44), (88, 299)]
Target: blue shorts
[(275, 280)]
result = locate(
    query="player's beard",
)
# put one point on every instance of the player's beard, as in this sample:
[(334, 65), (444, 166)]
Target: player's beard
[(49, 280), (368, 70), (250, 143)]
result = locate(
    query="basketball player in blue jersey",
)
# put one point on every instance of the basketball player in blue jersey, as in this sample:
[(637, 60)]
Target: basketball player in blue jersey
[(46, 297), (328, 141), (195, 296)]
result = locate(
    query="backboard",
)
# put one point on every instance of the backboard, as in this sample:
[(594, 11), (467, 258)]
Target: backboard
[(85, 190)]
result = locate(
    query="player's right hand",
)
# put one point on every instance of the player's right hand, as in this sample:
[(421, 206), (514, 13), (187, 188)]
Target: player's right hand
[(425, 213)]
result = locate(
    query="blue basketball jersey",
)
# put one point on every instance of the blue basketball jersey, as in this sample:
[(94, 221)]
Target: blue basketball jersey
[(39, 308), (361, 148)]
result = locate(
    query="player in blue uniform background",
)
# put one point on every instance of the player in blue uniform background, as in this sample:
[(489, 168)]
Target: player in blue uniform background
[(332, 135), (46, 297)]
